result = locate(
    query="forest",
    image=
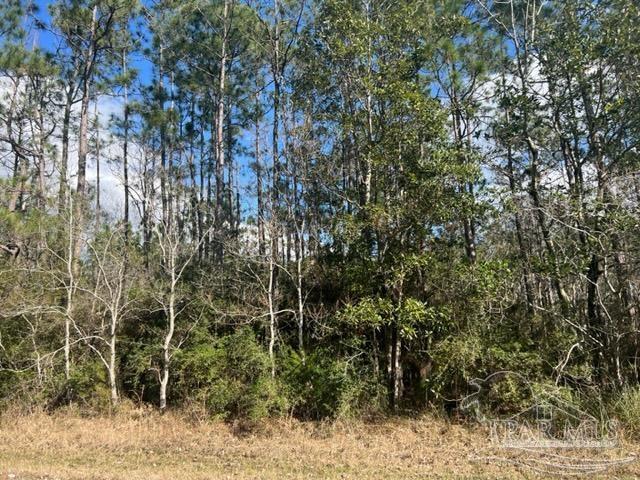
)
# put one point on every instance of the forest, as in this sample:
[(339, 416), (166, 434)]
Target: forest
[(318, 209)]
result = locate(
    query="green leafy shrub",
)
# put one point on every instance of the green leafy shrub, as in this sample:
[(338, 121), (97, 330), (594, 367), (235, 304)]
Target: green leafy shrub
[(87, 387), (229, 377), (323, 386)]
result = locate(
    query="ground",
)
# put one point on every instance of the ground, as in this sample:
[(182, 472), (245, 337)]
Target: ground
[(148, 446)]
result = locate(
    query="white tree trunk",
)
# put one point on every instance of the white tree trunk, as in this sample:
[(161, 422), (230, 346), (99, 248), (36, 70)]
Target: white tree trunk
[(166, 352), (113, 385), (272, 314)]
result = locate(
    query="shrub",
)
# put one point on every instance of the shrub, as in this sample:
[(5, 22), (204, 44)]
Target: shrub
[(323, 386), (87, 388), (229, 377)]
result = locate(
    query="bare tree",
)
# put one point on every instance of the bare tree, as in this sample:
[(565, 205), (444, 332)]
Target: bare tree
[(176, 256), (112, 274)]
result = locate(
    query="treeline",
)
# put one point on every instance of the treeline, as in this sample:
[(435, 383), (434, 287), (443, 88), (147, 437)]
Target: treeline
[(330, 207)]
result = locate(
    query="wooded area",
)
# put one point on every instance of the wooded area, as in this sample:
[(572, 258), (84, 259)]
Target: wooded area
[(317, 208)]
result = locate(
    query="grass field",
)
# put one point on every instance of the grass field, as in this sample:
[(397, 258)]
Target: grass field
[(150, 446)]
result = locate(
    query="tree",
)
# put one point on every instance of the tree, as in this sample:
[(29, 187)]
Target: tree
[(175, 258), (101, 20), (113, 278)]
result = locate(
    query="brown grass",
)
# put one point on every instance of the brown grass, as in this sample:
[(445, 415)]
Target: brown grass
[(147, 446)]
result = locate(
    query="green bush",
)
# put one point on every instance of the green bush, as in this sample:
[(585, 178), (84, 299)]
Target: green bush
[(229, 377), (323, 386), (87, 387)]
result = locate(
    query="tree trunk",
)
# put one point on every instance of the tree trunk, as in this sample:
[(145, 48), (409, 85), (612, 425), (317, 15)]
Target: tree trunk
[(193, 190), (542, 224), (524, 258), (70, 291), (220, 151), (83, 143), (397, 369), (64, 159), (299, 291), (231, 213), (41, 160), (125, 152), (259, 188), (274, 230), (166, 346), (163, 144), (202, 200), (272, 314), (18, 180), (459, 137), (20, 161), (113, 385), (97, 153)]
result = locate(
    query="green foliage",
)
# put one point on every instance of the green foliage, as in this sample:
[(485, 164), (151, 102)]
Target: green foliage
[(11, 12), (230, 376), (457, 361), (368, 312), (87, 387), (325, 386)]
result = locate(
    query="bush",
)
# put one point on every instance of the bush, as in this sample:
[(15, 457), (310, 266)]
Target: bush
[(323, 386), (229, 377), (87, 388)]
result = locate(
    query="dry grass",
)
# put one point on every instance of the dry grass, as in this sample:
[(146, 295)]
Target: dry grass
[(148, 446)]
